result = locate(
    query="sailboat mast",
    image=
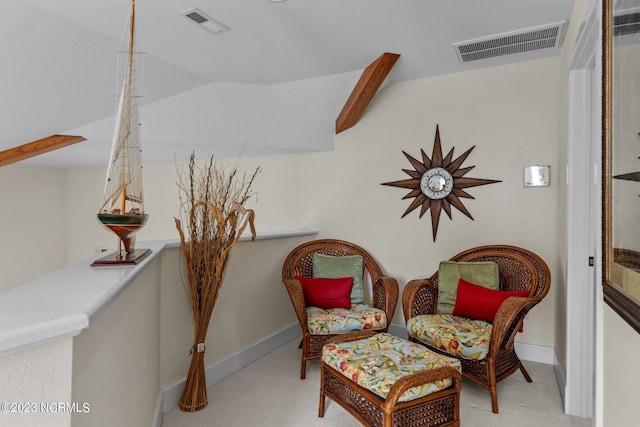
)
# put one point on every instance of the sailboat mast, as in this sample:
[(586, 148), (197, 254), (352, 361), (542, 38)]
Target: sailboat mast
[(129, 71), (133, 19)]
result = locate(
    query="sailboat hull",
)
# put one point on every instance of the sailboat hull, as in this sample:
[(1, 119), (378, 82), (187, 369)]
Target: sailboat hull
[(120, 219), (123, 226)]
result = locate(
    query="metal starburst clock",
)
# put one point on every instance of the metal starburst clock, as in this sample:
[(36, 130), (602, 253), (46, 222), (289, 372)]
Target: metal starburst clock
[(437, 183)]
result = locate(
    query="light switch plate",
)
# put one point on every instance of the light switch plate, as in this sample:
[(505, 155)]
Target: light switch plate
[(537, 176)]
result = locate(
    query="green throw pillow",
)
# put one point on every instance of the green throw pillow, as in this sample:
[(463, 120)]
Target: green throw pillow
[(334, 267), (479, 273)]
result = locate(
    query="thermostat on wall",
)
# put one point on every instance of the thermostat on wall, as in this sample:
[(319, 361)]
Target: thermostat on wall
[(536, 176)]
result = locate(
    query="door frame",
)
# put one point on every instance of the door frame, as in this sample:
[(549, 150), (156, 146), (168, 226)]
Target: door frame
[(583, 293)]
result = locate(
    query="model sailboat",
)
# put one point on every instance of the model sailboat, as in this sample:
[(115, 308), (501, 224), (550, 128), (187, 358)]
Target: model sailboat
[(122, 211)]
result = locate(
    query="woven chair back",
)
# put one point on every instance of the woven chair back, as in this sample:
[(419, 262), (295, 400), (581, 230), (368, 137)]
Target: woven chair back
[(520, 269), (299, 261)]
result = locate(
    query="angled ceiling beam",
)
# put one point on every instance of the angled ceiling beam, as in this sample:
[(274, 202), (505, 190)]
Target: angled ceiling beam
[(35, 148), (369, 83)]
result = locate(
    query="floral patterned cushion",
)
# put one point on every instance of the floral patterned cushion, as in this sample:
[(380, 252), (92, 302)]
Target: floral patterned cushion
[(376, 363), (321, 321), (463, 337)]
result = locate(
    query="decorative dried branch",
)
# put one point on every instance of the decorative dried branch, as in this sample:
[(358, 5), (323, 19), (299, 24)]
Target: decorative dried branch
[(212, 201)]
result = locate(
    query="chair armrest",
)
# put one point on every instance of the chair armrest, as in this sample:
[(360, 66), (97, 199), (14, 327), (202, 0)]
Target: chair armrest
[(508, 317), (405, 383), (385, 296), (294, 288), (419, 297)]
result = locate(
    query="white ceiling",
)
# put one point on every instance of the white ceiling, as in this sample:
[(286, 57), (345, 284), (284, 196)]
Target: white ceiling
[(60, 56)]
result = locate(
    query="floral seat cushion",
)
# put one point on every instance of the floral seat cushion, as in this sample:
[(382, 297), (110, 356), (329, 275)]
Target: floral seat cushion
[(466, 338), (326, 321), (377, 362)]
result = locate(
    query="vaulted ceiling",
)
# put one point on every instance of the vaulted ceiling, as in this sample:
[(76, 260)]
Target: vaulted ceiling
[(60, 57)]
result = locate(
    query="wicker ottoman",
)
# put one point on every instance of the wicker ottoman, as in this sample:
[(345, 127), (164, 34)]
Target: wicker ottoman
[(386, 381)]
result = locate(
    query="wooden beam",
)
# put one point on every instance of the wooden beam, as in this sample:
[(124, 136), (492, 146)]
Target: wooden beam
[(369, 83), (35, 148)]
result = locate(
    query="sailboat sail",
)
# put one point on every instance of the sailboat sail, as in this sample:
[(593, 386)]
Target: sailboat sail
[(122, 209)]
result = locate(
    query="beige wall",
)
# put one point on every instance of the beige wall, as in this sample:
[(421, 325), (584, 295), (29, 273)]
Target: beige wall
[(621, 374), (116, 361), (33, 210)]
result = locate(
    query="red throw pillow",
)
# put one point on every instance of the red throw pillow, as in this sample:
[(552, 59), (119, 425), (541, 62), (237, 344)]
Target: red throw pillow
[(327, 293), (478, 302)]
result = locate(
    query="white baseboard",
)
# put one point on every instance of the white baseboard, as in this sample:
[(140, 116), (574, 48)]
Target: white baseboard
[(535, 352), (560, 378), (157, 417), (170, 396)]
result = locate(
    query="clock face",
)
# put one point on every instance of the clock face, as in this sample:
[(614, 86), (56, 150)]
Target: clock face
[(436, 183)]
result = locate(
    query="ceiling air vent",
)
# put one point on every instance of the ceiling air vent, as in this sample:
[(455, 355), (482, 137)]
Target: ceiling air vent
[(520, 41), (626, 22), (205, 21)]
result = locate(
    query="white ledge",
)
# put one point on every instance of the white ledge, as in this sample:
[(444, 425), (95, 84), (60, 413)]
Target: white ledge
[(63, 303)]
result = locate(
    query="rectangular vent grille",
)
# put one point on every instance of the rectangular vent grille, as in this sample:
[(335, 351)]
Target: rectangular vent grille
[(196, 17), (205, 21), (626, 22), (527, 40)]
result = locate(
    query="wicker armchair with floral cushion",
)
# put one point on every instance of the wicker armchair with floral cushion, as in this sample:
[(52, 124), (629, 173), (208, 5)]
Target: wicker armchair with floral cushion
[(481, 328), (360, 311)]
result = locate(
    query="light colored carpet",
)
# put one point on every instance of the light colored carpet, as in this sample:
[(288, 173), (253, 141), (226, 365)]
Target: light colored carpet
[(269, 393)]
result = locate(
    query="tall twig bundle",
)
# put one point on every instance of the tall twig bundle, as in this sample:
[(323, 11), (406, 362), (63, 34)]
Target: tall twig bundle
[(212, 206)]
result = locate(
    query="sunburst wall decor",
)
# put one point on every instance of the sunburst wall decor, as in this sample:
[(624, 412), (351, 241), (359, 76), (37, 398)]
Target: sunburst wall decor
[(437, 183)]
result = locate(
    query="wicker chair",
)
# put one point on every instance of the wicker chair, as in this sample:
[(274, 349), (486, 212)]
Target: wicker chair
[(299, 263), (519, 270)]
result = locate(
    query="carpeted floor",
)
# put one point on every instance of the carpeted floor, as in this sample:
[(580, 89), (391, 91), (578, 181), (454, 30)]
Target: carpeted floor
[(269, 393)]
